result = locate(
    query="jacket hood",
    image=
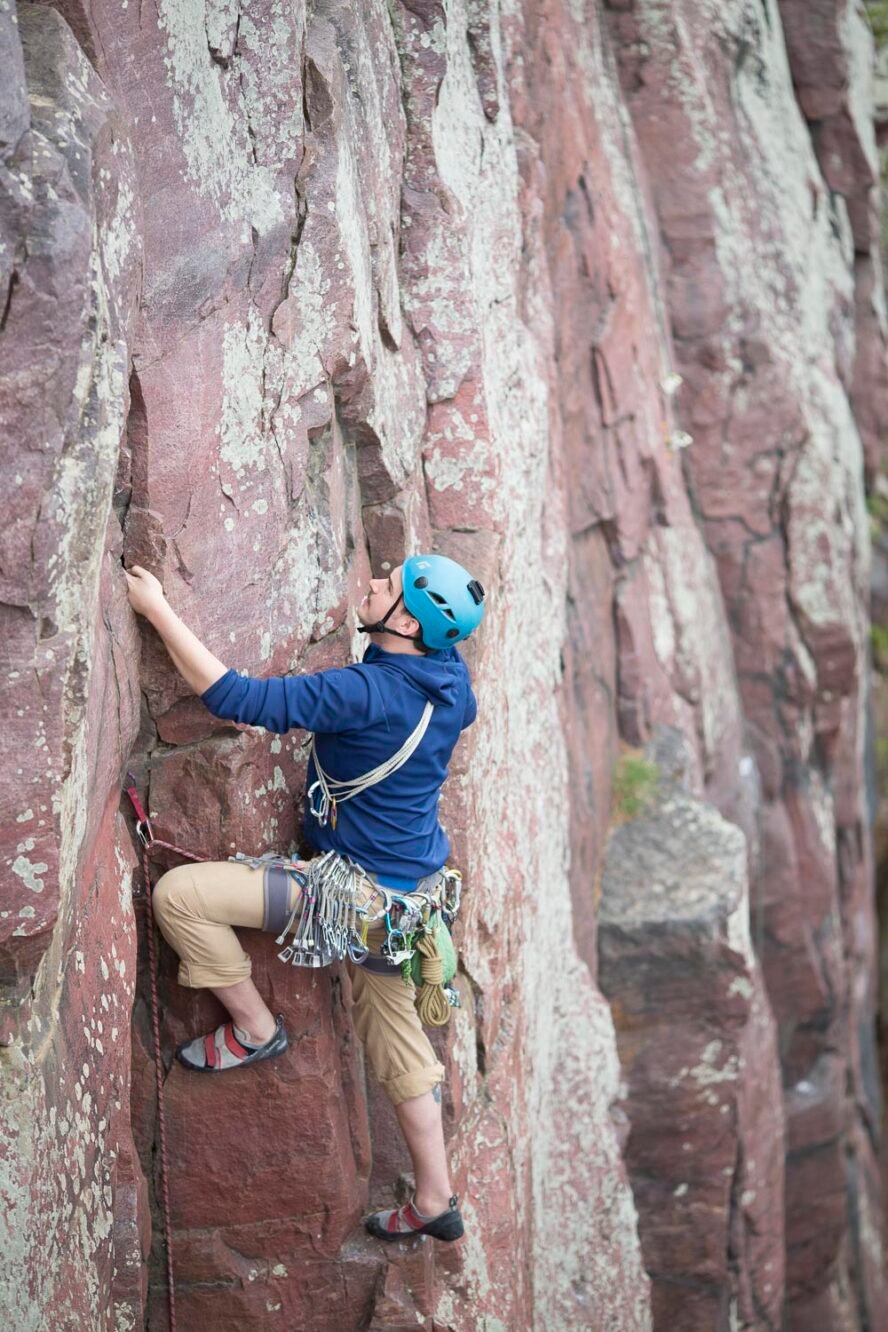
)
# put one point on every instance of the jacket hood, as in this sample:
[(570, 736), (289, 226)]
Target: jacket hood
[(438, 676)]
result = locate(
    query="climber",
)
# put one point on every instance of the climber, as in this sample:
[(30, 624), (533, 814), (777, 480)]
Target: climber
[(360, 715)]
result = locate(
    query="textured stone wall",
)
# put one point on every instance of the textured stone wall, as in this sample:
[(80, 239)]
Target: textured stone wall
[(777, 326), (588, 295)]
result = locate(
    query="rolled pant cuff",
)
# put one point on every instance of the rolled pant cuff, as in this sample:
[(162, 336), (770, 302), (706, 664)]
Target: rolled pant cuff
[(195, 977), (415, 1083)]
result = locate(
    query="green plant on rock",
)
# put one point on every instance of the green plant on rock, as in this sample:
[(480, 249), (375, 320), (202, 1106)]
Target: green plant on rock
[(877, 499), (878, 15), (879, 640), (877, 506), (635, 785), (882, 759)]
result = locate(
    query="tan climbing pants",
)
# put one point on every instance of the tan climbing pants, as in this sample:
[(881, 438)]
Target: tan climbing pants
[(195, 906)]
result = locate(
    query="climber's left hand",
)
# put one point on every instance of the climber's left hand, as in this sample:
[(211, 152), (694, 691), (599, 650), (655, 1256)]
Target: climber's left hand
[(145, 591)]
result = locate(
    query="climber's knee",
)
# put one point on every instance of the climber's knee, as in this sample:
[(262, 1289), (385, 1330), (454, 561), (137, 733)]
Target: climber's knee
[(406, 1086), (193, 905), (399, 1051), (173, 896)]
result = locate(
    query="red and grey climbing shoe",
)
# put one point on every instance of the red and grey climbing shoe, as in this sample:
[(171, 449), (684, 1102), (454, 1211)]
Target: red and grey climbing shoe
[(227, 1047), (402, 1222)]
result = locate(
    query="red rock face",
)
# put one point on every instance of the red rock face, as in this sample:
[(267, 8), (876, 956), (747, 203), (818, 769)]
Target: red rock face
[(775, 453), (698, 1049), (291, 293)]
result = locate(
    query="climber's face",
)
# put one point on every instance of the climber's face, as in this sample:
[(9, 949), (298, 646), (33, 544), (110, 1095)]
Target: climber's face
[(381, 596)]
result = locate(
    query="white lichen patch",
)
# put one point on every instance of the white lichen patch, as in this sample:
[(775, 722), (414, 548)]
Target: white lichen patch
[(125, 884), (707, 1072), (120, 230), (350, 216), (662, 626), (29, 872), (688, 621), (214, 138), (301, 585), (244, 442), (269, 81), (470, 465), (305, 322), (278, 783)]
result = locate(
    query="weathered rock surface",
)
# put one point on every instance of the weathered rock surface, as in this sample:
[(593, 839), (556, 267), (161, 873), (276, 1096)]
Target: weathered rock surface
[(698, 1049), (67, 935), (292, 290), (761, 257)]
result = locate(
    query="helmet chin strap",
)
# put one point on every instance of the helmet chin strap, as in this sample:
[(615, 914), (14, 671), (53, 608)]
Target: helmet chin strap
[(380, 627)]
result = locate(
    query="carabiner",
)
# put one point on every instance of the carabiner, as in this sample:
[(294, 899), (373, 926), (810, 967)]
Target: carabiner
[(323, 803), (142, 820), (390, 947)]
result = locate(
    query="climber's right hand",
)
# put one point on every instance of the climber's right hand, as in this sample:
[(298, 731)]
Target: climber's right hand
[(145, 591)]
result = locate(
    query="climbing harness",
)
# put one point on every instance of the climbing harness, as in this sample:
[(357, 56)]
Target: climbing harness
[(340, 902), (333, 792)]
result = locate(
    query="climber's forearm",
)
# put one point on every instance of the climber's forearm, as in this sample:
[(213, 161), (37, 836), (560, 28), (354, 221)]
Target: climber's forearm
[(192, 660)]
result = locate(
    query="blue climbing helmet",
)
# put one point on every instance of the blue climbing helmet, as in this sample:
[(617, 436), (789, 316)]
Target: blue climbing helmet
[(444, 597)]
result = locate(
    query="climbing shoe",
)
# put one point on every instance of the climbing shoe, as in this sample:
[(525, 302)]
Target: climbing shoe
[(402, 1222), (227, 1047)]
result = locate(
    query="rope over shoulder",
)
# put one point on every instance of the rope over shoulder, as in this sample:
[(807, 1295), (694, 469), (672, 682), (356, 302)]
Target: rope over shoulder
[(334, 791)]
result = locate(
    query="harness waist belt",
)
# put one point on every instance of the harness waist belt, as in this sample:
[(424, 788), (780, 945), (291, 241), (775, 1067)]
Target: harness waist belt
[(380, 965), (404, 885)]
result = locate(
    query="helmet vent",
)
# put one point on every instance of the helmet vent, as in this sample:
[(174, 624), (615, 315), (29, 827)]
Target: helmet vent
[(439, 601), (421, 582), (452, 633)]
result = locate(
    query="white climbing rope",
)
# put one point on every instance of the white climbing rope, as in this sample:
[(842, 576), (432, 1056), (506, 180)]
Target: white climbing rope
[(335, 792)]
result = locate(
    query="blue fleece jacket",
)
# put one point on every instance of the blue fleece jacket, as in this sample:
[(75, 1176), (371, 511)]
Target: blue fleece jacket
[(361, 715)]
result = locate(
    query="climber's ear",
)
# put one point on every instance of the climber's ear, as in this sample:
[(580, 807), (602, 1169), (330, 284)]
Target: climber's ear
[(410, 624)]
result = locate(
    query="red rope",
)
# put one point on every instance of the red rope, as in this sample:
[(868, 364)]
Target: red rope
[(149, 841)]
